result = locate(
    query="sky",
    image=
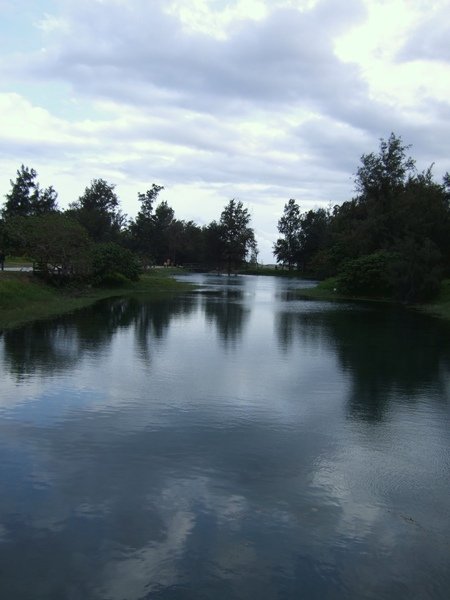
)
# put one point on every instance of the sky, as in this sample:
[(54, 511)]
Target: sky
[(258, 100)]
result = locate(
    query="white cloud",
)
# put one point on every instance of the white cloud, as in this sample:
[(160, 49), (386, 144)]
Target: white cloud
[(262, 101)]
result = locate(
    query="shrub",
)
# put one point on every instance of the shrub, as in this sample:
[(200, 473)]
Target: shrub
[(111, 262), (368, 275)]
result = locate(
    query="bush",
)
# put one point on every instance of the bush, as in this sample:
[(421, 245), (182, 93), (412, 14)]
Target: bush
[(416, 272), (368, 275), (55, 242), (113, 263)]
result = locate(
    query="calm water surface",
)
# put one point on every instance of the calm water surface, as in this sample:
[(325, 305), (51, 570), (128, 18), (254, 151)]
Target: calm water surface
[(234, 443)]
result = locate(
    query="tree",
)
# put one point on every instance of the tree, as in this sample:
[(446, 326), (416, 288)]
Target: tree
[(163, 232), (143, 228), (394, 237), (148, 199), (236, 234), (385, 173), (26, 198), (313, 235), (60, 245), (213, 255), (186, 242), (286, 249), (98, 211), (112, 264)]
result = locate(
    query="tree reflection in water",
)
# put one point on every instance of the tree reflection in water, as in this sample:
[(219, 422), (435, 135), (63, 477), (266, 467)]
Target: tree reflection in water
[(387, 351), (227, 311), (55, 345)]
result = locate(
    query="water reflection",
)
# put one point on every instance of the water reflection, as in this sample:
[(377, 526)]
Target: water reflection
[(233, 443), (389, 352), (53, 346), (227, 311)]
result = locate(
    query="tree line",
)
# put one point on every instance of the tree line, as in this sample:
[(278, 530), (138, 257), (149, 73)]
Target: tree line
[(391, 239), (94, 240)]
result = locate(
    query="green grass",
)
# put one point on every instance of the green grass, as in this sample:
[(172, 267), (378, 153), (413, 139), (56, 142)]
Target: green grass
[(440, 306), (324, 290), (23, 298)]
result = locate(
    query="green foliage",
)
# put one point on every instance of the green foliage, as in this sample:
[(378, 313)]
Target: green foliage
[(304, 235), (385, 173), (287, 248), (393, 238), (237, 237), (111, 263), (214, 246), (313, 235), (155, 234), (26, 198), (54, 241), (97, 210), (148, 199), (367, 275), (416, 270)]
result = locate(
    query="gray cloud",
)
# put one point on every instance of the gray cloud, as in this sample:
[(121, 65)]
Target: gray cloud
[(145, 57), (267, 113), (430, 40)]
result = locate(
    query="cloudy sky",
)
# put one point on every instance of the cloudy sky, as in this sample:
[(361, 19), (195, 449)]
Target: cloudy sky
[(259, 100)]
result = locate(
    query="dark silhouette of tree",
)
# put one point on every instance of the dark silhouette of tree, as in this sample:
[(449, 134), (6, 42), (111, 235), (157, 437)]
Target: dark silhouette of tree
[(392, 239), (238, 238), (384, 174), (287, 248), (163, 228), (213, 246), (97, 210), (26, 197), (314, 226), (58, 244), (142, 229)]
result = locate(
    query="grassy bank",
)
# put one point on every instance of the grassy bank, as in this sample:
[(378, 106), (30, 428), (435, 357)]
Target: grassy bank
[(23, 298), (327, 290), (440, 306)]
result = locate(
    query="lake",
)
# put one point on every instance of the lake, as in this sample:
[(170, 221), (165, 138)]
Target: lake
[(233, 442)]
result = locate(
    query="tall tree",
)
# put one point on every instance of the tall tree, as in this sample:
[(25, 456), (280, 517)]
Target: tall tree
[(213, 255), (164, 232), (287, 248), (383, 174), (26, 197), (313, 235), (238, 238), (98, 211), (143, 228)]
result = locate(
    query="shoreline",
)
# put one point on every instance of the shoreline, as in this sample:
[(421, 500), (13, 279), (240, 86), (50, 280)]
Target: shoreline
[(24, 299)]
